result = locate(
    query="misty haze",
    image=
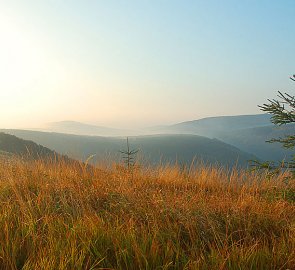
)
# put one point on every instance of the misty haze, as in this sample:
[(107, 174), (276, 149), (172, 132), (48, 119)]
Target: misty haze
[(147, 134)]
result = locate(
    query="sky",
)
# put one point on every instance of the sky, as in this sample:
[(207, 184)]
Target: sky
[(141, 63)]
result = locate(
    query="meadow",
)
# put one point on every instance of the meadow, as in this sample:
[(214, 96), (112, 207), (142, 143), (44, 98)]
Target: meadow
[(68, 216)]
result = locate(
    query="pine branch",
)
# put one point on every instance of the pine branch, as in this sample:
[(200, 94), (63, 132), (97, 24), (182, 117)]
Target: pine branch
[(281, 114), (288, 141)]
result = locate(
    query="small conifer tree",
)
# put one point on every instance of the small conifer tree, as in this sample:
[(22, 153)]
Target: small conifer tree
[(129, 156)]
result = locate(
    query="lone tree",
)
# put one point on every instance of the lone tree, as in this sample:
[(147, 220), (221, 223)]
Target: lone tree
[(129, 156), (283, 112)]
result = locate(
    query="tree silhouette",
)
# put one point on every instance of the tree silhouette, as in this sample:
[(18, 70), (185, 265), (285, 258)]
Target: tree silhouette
[(129, 156)]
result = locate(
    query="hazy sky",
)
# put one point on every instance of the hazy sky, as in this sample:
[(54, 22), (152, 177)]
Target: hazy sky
[(141, 63)]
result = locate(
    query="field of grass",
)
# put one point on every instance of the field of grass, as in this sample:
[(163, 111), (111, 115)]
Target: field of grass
[(62, 216)]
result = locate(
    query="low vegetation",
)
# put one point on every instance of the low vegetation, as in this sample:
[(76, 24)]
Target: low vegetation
[(66, 216)]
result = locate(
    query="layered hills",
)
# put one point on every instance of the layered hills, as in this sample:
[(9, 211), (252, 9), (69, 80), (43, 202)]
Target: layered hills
[(213, 126), (254, 140), (154, 149), (225, 140), (247, 132)]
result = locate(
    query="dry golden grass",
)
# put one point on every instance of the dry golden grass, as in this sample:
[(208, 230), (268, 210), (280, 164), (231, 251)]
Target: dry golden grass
[(62, 216)]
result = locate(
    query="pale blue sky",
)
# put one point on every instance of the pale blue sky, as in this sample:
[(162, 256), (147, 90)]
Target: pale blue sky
[(141, 63)]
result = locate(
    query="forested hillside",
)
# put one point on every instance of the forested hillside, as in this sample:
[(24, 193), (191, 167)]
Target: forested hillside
[(11, 145), (153, 149)]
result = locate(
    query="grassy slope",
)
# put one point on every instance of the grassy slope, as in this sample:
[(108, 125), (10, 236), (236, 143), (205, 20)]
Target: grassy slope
[(59, 217)]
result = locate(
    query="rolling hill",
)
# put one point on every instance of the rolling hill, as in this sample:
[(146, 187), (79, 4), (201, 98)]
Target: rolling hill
[(209, 127), (246, 132), (213, 126), (253, 140), (11, 145), (153, 149)]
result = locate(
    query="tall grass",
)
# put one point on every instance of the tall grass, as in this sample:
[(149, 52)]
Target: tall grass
[(66, 216)]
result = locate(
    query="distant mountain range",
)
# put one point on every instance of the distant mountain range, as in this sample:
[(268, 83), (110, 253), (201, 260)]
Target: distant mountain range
[(222, 140), (78, 128), (213, 126), (153, 149), (209, 127), (247, 132)]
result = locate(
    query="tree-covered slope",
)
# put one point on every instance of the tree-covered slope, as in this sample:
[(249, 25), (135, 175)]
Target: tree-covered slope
[(11, 145), (153, 149), (254, 140)]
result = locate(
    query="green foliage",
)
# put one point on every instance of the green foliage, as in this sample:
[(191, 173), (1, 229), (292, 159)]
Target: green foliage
[(283, 112)]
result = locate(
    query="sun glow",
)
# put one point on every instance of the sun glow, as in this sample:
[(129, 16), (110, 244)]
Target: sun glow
[(26, 71), (21, 58)]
